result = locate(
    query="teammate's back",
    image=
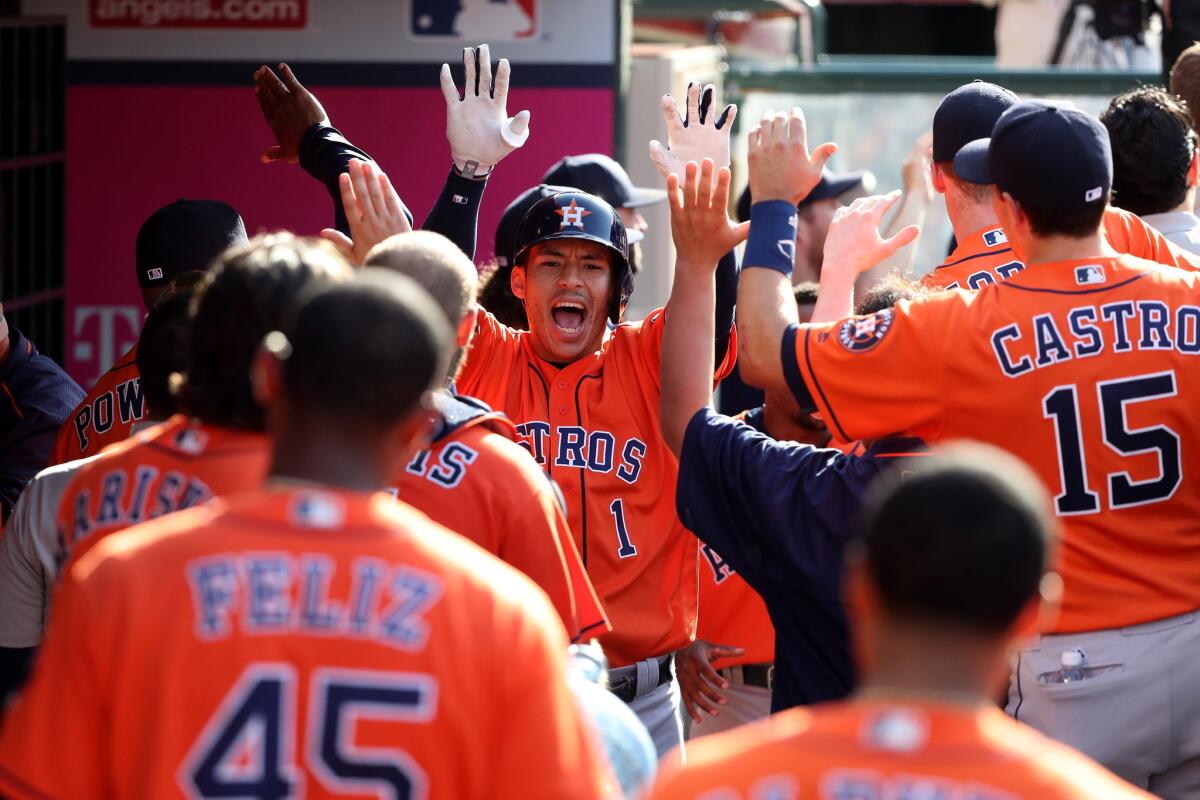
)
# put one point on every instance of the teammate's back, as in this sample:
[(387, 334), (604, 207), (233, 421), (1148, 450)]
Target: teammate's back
[(347, 627)]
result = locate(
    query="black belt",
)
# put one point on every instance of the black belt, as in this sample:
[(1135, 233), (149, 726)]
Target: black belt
[(760, 675), (627, 688)]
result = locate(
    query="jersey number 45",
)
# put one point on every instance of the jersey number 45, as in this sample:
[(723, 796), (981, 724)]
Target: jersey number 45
[(248, 748)]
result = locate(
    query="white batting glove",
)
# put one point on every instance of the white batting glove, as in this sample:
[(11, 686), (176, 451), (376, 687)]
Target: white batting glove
[(701, 134), (477, 124)]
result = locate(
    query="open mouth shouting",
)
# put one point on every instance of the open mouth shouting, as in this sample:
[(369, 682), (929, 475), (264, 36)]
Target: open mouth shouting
[(570, 317)]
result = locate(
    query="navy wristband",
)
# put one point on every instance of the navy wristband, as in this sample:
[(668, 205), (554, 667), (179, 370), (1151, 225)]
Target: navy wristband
[(772, 241)]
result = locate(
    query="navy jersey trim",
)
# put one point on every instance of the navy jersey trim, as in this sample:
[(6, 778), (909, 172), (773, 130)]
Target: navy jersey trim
[(816, 383), (1097, 290), (582, 470), (964, 259), (791, 370), (583, 631)]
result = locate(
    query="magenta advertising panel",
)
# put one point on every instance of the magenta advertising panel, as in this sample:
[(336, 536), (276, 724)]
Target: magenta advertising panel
[(160, 111)]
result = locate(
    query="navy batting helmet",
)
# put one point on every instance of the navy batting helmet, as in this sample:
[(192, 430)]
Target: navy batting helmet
[(578, 215)]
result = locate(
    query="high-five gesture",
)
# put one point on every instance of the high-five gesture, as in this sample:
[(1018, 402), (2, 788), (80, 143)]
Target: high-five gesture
[(290, 110), (477, 123), (700, 224), (373, 209), (781, 168), (700, 134)]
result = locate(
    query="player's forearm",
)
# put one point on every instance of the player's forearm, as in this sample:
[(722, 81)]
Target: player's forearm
[(765, 301), (687, 352), (726, 302), (835, 299), (455, 215), (325, 154)]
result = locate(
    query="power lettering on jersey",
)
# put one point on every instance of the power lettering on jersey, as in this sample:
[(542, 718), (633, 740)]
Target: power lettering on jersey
[(280, 593), (126, 399), (1044, 341), (575, 447)]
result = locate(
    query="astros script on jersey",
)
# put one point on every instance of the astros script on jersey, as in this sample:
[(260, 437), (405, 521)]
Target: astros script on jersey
[(475, 480), (593, 426), (1094, 362), (298, 643), (870, 749)]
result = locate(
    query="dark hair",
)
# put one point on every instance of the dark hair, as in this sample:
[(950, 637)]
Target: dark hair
[(1073, 222), (887, 293), (963, 541), (1152, 145), (245, 297), (161, 350), (364, 352), (495, 295), (805, 293)]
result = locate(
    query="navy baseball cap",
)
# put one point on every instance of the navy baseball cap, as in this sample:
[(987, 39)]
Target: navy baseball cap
[(184, 236), (966, 114), (1045, 154), (832, 184), (510, 221), (596, 173)]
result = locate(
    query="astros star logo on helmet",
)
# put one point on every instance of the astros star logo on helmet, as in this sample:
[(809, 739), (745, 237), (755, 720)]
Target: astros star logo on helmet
[(572, 215)]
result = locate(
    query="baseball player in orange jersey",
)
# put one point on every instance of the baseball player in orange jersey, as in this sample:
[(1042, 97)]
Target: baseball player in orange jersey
[(183, 236), (983, 254), (1080, 365), (311, 637), (953, 570), (474, 478)]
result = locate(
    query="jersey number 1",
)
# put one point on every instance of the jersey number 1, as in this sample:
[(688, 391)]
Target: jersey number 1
[(618, 511), (1062, 406)]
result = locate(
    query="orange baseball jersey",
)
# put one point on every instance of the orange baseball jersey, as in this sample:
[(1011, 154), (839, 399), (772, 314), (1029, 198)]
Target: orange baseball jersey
[(298, 643), (731, 613), (593, 426), (985, 257), (475, 480), (870, 749), (169, 467), (106, 415), (1086, 370)]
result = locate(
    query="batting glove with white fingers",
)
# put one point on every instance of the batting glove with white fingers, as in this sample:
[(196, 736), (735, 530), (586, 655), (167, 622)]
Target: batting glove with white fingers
[(700, 134), (477, 124)]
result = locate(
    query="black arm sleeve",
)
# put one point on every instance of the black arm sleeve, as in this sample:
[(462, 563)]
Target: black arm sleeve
[(727, 286), (455, 215), (14, 669), (324, 154)]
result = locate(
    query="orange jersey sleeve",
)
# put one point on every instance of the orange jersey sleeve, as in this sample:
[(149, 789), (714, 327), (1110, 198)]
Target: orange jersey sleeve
[(1082, 369), (593, 426), (732, 613), (981, 258), (105, 415), (1127, 233), (478, 482), (299, 642), (864, 749), (172, 466)]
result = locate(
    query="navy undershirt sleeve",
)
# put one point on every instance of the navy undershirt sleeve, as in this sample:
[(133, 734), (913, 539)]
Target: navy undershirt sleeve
[(791, 370), (727, 286), (455, 215), (325, 154)]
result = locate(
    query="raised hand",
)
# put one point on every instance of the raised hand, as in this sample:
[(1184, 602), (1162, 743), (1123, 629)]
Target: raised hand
[(477, 123), (853, 244), (290, 110), (914, 172), (373, 209), (781, 167), (700, 134), (700, 224)]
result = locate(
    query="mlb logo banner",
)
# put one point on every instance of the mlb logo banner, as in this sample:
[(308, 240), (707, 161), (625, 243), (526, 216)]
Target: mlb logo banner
[(476, 20), (995, 237)]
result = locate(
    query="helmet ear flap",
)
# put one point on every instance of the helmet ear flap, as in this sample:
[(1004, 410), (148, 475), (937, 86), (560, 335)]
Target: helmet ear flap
[(622, 290)]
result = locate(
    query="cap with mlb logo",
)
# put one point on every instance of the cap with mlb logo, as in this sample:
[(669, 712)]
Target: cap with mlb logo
[(184, 236), (1045, 154)]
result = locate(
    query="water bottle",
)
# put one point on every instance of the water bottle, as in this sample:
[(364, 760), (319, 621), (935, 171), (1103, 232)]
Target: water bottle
[(1072, 668)]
